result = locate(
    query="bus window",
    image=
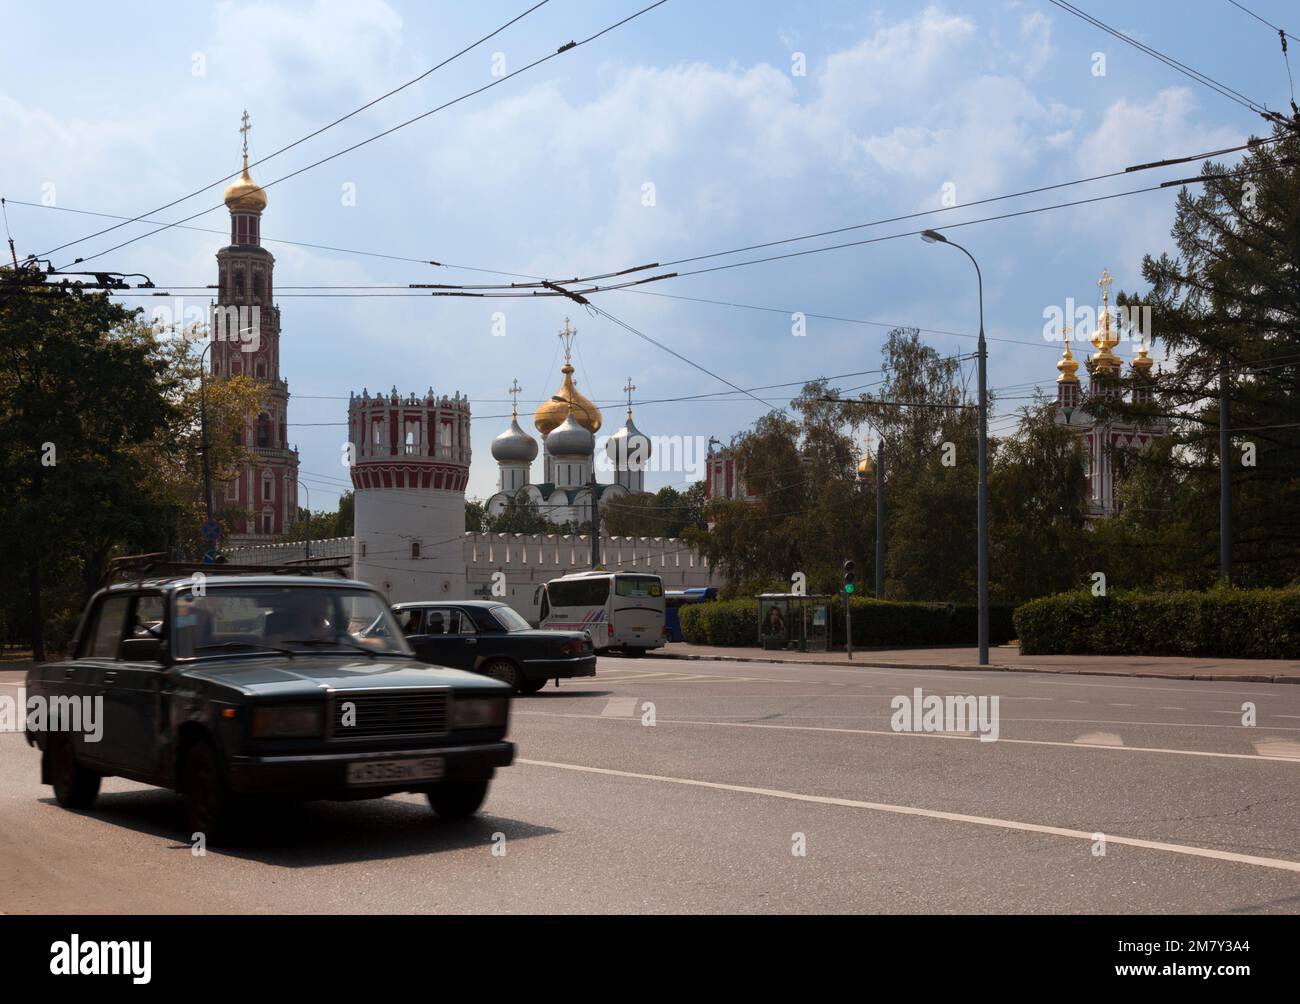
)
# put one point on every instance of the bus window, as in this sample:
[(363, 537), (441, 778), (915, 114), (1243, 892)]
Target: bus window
[(640, 586)]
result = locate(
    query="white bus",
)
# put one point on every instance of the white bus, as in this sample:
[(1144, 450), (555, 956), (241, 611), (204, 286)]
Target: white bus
[(620, 610)]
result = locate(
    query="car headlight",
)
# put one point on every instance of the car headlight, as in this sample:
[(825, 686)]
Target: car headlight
[(479, 712), (293, 721)]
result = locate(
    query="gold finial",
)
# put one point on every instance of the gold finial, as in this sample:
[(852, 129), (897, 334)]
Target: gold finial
[(244, 196), (244, 128), (1102, 337), (514, 398), (628, 391), (867, 465), (1143, 362), (1066, 365)]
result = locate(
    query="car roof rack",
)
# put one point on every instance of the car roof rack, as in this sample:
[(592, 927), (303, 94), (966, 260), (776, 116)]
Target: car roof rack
[(157, 566)]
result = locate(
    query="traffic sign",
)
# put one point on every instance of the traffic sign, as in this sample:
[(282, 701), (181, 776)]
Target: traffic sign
[(210, 558), (210, 529)]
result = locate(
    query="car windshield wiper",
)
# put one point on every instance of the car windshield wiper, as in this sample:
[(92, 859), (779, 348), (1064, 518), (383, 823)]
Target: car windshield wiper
[(241, 646), (351, 643)]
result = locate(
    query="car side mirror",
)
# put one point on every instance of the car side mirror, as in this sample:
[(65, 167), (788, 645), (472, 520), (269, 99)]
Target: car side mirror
[(142, 650)]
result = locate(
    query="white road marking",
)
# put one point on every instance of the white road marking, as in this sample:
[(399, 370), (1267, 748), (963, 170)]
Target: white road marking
[(937, 735), (620, 707), (1100, 739), (1285, 749), (1280, 864)]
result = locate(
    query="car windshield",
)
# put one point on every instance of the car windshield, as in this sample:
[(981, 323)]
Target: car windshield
[(294, 619), (510, 619)]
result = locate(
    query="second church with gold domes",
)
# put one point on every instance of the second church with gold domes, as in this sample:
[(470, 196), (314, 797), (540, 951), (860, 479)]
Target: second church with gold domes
[(568, 423), (1100, 440)]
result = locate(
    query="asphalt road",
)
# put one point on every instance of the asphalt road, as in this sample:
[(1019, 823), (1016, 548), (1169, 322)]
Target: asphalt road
[(704, 811)]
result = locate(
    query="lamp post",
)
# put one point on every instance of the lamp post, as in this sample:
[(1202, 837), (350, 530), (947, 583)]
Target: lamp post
[(982, 518), (204, 445), (307, 530)]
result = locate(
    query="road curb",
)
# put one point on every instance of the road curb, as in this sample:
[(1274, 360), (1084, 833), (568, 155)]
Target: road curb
[(996, 668)]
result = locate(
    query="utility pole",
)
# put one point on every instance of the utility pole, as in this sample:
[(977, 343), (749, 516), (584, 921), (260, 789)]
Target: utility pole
[(880, 519), (307, 529), (1225, 477), (595, 520)]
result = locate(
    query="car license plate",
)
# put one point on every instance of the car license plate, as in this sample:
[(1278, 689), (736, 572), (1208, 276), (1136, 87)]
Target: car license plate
[(388, 771)]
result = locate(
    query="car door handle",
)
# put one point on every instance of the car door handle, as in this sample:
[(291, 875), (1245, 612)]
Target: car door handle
[(69, 673), (471, 641), (110, 676)]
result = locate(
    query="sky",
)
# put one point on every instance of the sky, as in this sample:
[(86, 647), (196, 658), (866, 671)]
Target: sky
[(695, 128)]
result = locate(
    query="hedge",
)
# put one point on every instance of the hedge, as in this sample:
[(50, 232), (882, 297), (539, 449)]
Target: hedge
[(1223, 623), (876, 623)]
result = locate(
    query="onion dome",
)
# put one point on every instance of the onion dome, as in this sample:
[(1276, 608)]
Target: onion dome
[(514, 446), (1104, 361), (551, 414), (245, 196), (570, 438), (867, 465), (1067, 365), (1142, 364), (629, 448)]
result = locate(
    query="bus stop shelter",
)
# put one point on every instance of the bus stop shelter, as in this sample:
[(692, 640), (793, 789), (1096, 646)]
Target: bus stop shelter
[(795, 621)]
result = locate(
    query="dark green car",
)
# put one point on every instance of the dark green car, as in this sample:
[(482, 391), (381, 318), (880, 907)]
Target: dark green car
[(228, 688)]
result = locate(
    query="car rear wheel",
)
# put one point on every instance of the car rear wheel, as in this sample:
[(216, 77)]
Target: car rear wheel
[(75, 787), (457, 799), (211, 808), (503, 670), (634, 653), (531, 686)]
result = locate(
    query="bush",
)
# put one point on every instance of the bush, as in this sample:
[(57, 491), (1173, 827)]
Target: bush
[(1222, 623), (876, 623)]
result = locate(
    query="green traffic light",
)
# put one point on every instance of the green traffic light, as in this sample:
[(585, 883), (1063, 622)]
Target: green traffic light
[(848, 587)]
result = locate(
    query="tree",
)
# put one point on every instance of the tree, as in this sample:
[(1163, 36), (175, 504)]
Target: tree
[(521, 515), (83, 389), (1230, 295)]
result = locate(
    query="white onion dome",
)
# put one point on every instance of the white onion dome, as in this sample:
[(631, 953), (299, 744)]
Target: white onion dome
[(629, 448), (514, 445), (570, 439)]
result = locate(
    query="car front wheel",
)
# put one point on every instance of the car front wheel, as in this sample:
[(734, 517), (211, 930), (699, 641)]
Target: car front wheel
[(75, 787), (457, 799), (211, 808), (531, 686)]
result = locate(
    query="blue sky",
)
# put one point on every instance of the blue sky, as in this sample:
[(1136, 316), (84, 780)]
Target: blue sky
[(546, 173)]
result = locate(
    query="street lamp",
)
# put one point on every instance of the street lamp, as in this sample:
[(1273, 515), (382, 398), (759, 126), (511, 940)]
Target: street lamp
[(204, 445), (982, 518), (307, 530)]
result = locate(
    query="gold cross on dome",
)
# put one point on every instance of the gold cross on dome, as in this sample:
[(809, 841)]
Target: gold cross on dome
[(628, 391), (568, 337), (244, 129), (1105, 281), (514, 395)]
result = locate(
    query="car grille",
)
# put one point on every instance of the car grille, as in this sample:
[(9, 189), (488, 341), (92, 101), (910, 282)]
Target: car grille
[(390, 715)]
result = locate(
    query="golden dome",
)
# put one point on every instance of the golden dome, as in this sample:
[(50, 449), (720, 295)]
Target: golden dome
[(1105, 340), (1067, 365), (867, 465), (1143, 362), (245, 196), (551, 413)]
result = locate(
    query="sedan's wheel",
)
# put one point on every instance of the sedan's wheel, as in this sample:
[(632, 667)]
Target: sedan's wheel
[(634, 653), (531, 686), (503, 670), (75, 787), (211, 808), (457, 799)]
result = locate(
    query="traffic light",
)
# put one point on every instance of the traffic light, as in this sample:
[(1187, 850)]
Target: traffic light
[(848, 577)]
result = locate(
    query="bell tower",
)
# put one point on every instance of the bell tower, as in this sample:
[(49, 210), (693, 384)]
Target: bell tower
[(245, 330)]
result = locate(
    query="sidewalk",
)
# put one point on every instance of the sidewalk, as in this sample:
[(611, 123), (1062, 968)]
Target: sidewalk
[(1008, 658)]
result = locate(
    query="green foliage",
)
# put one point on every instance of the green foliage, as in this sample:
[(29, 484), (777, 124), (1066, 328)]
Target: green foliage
[(876, 623), (1222, 622)]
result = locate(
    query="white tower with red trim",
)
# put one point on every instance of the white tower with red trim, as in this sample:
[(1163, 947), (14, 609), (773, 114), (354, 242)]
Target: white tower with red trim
[(410, 464)]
